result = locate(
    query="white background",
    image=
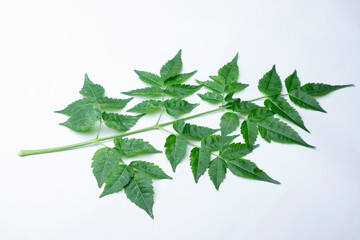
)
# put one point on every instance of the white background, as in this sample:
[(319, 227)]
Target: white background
[(47, 46)]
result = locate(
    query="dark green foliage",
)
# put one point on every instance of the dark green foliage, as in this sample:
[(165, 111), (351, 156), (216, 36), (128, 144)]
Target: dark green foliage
[(270, 83), (85, 112), (215, 153)]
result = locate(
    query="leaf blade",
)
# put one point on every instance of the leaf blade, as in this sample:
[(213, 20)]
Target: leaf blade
[(141, 192), (175, 149), (270, 83), (272, 129), (120, 122), (304, 100), (217, 171), (199, 161), (150, 169), (172, 67), (228, 123), (247, 169), (104, 161)]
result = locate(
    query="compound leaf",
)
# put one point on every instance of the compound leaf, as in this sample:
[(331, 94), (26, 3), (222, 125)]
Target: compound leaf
[(249, 131), (91, 89), (104, 161), (199, 161), (320, 89), (217, 171), (141, 192), (175, 149), (147, 106), (134, 146), (150, 169), (119, 177), (280, 106), (272, 129), (211, 97), (247, 169), (304, 100), (228, 123), (153, 91), (270, 83), (176, 107), (172, 67), (181, 90), (292, 82), (149, 78), (119, 121)]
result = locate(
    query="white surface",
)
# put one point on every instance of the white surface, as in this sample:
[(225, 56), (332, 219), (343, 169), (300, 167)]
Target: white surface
[(47, 46)]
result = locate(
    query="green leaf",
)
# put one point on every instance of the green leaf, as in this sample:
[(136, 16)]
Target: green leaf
[(272, 129), (230, 71), (134, 146), (241, 106), (260, 114), (77, 106), (175, 149), (180, 78), (91, 89), (280, 106), (211, 97), (249, 131), (104, 161), (149, 78), (150, 169), (181, 90), (106, 103), (83, 119), (179, 125), (235, 87), (304, 100), (217, 142), (199, 161), (147, 106), (270, 83), (292, 82), (219, 79), (236, 150), (217, 171), (193, 131), (172, 67), (119, 121), (141, 192), (320, 89), (119, 177), (176, 107), (247, 169), (212, 85), (146, 92), (228, 123)]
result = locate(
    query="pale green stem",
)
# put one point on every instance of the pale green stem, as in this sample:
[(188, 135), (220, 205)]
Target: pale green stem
[(97, 135), (98, 140)]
